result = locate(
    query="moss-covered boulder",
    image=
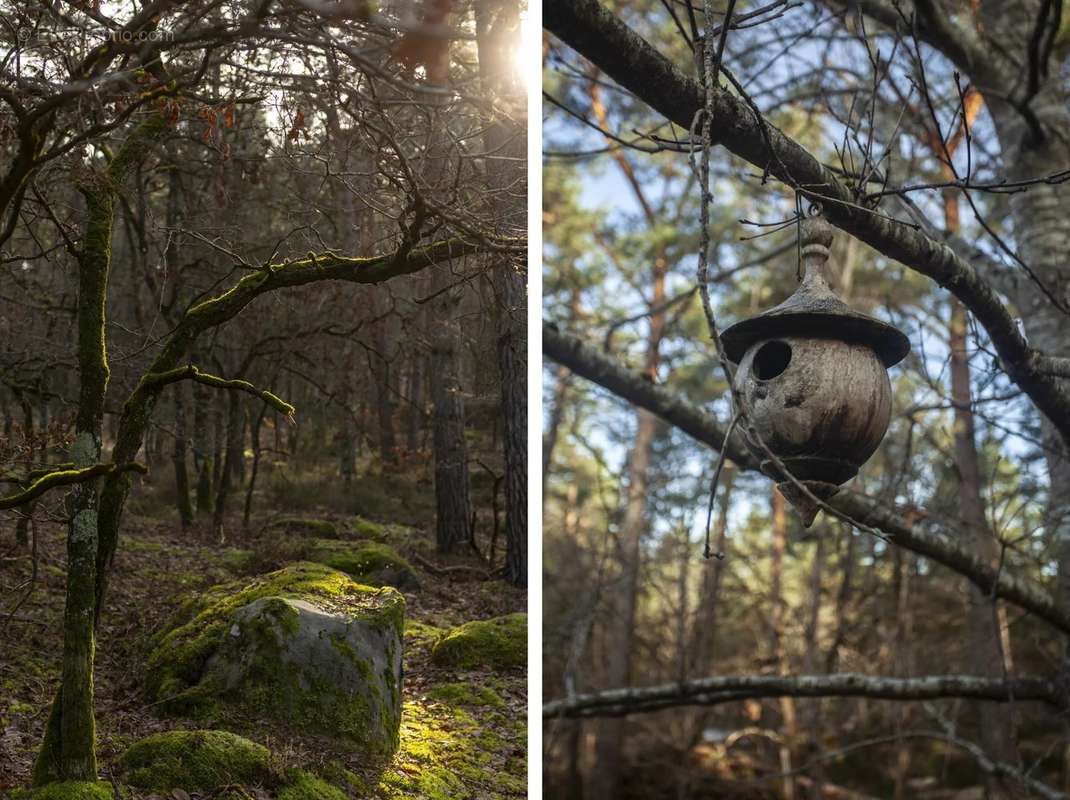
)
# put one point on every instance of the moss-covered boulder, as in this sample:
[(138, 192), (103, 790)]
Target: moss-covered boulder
[(305, 645), (498, 643), (195, 760), (371, 563)]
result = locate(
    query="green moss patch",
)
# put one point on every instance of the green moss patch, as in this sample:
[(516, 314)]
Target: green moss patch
[(301, 785), (464, 694), (447, 754), (69, 790), (198, 760), (420, 634), (337, 774), (371, 563), (366, 529), (498, 643)]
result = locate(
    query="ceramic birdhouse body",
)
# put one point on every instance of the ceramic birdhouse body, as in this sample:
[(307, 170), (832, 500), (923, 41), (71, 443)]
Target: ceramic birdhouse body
[(813, 382), (825, 411)]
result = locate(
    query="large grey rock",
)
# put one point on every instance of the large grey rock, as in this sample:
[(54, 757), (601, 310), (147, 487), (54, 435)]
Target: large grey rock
[(305, 645)]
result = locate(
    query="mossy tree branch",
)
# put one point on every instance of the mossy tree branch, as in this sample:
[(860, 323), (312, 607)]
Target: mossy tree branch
[(191, 372), (65, 477)]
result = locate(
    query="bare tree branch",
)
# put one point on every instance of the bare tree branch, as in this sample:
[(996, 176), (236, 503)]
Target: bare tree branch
[(728, 688)]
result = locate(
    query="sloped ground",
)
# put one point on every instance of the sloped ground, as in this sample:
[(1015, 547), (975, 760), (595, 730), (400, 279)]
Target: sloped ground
[(462, 733)]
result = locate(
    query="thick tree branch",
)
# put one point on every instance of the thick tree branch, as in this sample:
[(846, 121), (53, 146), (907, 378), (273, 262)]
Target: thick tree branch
[(65, 477), (729, 688), (330, 266), (918, 537), (599, 36)]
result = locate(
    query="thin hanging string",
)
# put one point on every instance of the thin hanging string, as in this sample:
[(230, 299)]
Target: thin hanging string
[(702, 124), (798, 236), (707, 551)]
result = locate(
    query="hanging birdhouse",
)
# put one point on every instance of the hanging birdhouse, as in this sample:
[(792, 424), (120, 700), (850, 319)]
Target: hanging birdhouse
[(813, 381)]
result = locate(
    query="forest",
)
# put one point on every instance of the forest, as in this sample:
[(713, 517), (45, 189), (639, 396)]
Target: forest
[(263, 422), (701, 639)]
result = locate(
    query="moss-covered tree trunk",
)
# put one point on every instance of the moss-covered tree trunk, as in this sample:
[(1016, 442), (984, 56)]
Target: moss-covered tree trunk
[(69, 748)]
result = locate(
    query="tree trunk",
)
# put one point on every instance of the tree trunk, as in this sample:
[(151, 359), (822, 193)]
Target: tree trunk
[(789, 728), (606, 772), (185, 509), (216, 405), (233, 451), (843, 598), (68, 751), (498, 24), (903, 658), (202, 448), (1041, 239), (997, 720), (415, 420), (563, 379), (453, 520), (383, 374), (255, 439)]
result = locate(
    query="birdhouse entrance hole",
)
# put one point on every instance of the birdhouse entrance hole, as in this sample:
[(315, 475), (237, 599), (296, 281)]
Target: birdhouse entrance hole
[(771, 360)]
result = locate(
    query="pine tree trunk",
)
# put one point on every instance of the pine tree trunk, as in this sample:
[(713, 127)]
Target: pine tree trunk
[(513, 368), (986, 649), (453, 521), (606, 773)]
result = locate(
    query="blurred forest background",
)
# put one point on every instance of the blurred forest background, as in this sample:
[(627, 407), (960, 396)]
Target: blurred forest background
[(273, 257), (950, 116)]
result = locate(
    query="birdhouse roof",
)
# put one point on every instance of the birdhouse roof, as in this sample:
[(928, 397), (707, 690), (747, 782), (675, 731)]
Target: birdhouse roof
[(814, 311)]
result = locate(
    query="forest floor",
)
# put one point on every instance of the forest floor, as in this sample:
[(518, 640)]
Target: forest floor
[(462, 731)]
